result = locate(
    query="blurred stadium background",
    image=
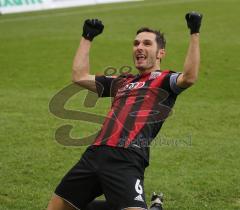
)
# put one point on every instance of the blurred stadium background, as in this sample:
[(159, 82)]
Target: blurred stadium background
[(195, 161)]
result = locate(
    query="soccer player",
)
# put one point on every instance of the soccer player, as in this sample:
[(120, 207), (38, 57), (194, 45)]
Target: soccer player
[(114, 164)]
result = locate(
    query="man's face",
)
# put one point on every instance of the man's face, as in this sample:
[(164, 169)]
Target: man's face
[(146, 55)]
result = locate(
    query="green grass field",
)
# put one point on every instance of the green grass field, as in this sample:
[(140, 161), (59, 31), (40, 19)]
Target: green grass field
[(196, 162)]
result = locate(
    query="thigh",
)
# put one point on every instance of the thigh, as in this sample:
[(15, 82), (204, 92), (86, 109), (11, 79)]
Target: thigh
[(124, 191), (98, 205), (81, 184), (57, 203), (122, 180)]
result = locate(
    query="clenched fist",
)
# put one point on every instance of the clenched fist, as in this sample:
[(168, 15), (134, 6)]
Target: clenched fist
[(193, 21), (92, 28)]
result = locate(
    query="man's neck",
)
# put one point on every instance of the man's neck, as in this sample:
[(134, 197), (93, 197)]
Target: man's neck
[(149, 70)]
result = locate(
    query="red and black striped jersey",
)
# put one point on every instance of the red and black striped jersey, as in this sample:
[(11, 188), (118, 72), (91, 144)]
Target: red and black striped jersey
[(140, 105)]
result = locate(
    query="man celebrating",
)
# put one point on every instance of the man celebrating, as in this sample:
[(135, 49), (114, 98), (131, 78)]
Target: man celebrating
[(114, 164)]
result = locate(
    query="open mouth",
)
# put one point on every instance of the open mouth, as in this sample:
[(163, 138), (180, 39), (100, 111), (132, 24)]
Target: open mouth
[(141, 57)]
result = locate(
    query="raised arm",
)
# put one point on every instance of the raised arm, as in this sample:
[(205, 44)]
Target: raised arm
[(81, 67), (192, 60)]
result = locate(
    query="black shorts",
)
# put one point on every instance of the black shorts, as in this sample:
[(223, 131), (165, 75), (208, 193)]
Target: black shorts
[(117, 173)]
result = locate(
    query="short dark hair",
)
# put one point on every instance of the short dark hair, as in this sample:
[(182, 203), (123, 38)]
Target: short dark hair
[(160, 39)]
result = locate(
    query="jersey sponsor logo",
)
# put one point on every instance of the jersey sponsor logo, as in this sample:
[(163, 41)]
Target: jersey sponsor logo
[(133, 85)]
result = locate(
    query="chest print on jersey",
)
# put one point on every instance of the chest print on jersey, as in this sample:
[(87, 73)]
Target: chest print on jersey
[(134, 85), (130, 86)]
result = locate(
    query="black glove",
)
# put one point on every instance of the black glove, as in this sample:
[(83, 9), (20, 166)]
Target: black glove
[(92, 28), (193, 21)]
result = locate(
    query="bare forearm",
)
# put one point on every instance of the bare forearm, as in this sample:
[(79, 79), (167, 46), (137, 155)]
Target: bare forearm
[(81, 66), (192, 60)]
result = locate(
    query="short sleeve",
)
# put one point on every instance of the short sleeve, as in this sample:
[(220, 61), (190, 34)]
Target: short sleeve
[(173, 83), (104, 85)]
